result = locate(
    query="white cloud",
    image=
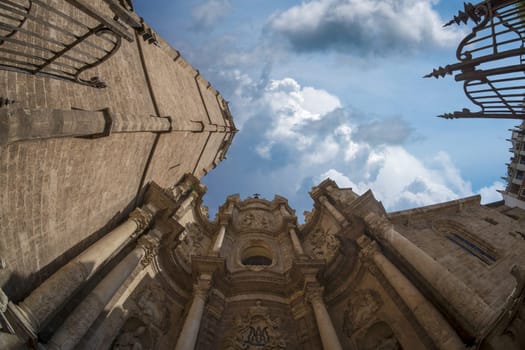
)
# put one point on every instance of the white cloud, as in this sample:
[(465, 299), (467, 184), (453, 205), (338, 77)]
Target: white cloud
[(208, 13), (290, 107), (403, 181), (490, 194), (370, 26)]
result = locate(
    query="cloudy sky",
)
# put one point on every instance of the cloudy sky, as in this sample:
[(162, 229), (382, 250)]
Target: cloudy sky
[(334, 88)]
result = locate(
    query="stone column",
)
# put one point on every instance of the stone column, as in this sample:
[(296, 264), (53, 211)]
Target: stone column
[(322, 317), (333, 210), (36, 309), (78, 322), (437, 328), (462, 301), (218, 240), (295, 242), (188, 335)]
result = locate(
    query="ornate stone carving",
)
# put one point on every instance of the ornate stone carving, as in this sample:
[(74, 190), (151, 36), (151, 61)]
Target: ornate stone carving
[(323, 244), (368, 248), (191, 242), (130, 340), (152, 305), (257, 330), (134, 335), (361, 311), (256, 219), (150, 246), (142, 218)]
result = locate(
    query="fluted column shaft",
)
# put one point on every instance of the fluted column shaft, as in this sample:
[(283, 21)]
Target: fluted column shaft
[(188, 335), (219, 239), (295, 242), (79, 321), (324, 322), (438, 329), (460, 299), (54, 291)]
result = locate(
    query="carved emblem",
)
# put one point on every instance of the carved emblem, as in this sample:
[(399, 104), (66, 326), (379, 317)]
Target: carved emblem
[(361, 311), (256, 331), (323, 244), (256, 219)]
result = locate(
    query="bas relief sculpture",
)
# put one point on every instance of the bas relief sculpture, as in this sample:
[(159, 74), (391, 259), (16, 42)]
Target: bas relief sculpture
[(323, 244), (361, 310), (257, 330)]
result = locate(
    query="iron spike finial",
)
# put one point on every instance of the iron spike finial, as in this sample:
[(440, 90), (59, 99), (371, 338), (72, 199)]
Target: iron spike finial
[(464, 16)]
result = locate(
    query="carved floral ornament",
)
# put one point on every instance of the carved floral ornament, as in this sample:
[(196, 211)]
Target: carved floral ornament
[(256, 330), (323, 244)]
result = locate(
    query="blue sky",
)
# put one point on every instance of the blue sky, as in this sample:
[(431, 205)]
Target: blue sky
[(334, 88)]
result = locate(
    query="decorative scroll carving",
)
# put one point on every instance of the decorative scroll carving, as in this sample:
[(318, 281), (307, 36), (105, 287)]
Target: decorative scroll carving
[(150, 246), (361, 311), (257, 330), (323, 244)]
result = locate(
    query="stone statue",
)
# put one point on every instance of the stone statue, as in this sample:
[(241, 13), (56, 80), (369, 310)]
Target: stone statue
[(130, 340)]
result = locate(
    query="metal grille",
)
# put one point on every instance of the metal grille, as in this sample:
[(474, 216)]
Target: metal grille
[(57, 38), (491, 60)]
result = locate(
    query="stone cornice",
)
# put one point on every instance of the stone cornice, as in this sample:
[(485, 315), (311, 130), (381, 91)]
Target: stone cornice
[(457, 205)]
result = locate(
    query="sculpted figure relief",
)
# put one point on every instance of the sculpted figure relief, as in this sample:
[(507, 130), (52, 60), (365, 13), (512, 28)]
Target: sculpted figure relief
[(191, 242), (152, 304), (361, 311), (323, 244), (255, 219), (130, 340)]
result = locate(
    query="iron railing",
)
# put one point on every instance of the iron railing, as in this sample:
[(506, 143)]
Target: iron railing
[(491, 60), (57, 38)]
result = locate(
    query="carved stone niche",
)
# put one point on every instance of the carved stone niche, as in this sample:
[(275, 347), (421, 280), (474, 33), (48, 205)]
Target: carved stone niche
[(255, 330)]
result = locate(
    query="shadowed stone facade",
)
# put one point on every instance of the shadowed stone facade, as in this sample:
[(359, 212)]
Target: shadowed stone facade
[(105, 243)]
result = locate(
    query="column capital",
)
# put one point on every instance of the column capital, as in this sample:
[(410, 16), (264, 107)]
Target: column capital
[(314, 293), (150, 246), (202, 286), (142, 218), (378, 225)]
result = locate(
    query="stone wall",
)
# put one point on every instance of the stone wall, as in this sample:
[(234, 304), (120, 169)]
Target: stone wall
[(487, 229), (59, 195)]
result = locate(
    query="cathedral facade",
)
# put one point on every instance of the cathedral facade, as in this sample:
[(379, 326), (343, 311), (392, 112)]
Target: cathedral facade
[(105, 131)]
